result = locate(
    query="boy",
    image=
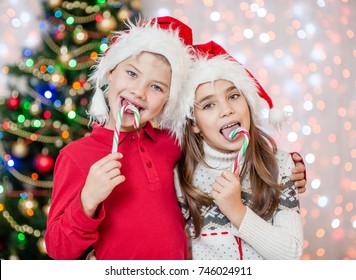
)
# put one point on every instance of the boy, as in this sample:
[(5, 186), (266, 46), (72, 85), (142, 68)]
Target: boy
[(124, 204)]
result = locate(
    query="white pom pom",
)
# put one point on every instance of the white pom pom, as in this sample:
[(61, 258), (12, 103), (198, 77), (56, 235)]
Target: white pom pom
[(98, 109), (277, 116)]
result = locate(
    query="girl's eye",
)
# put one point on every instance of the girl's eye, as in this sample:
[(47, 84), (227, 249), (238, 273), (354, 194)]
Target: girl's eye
[(132, 74), (207, 106), (234, 96)]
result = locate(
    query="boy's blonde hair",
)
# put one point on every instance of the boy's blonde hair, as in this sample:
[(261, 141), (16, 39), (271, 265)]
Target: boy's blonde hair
[(153, 38)]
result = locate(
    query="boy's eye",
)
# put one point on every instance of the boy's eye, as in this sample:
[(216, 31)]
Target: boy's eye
[(157, 88)]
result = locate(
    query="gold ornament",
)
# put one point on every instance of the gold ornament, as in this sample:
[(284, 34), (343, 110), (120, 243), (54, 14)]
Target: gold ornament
[(46, 208), (136, 4), (64, 58), (36, 108), (19, 149), (80, 36), (54, 3), (26, 204), (68, 107), (41, 246), (58, 78), (107, 24), (123, 14)]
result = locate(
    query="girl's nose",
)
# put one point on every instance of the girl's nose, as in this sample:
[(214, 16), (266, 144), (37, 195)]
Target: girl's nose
[(226, 110)]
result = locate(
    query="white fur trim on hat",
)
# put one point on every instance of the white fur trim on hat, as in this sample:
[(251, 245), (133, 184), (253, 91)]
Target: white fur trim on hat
[(221, 67), (149, 38)]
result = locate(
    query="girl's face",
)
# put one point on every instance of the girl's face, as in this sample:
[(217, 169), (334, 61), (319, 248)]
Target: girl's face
[(144, 81), (220, 108)]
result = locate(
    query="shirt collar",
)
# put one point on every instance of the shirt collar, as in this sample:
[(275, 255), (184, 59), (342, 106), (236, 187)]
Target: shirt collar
[(149, 131), (106, 135)]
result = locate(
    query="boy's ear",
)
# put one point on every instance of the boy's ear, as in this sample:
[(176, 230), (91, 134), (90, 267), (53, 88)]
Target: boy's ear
[(110, 73)]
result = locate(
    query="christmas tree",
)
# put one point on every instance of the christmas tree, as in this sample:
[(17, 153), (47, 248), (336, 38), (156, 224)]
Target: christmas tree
[(47, 109)]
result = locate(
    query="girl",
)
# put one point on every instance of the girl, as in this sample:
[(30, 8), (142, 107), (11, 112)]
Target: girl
[(252, 213)]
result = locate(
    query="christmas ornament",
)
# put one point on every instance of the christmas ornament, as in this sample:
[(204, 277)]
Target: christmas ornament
[(54, 3), (58, 79), (13, 103), (80, 36), (19, 148), (41, 246), (2, 246), (123, 14), (59, 35), (43, 163), (64, 58), (13, 257), (107, 24), (27, 204), (46, 208), (35, 108), (135, 4)]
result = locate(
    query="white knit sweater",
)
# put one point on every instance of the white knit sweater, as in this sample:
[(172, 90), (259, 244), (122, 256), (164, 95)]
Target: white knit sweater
[(279, 238)]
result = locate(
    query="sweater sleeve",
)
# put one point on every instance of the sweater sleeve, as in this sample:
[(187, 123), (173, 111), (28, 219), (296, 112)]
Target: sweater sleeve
[(69, 230), (283, 239), (180, 197)]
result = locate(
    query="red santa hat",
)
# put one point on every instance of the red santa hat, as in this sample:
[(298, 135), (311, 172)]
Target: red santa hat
[(166, 36), (214, 63)]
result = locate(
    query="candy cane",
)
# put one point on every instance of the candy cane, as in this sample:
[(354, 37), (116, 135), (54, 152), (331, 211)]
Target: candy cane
[(243, 148), (115, 144)]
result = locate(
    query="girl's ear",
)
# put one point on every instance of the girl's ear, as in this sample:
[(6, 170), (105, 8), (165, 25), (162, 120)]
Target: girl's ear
[(195, 128)]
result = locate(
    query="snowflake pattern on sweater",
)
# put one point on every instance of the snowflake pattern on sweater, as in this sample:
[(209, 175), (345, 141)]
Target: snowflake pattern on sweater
[(219, 238)]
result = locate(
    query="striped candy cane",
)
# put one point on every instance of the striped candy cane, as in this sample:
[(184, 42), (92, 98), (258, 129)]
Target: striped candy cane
[(243, 149), (115, 144)]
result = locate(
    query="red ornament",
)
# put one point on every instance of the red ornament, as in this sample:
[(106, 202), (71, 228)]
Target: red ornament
[(43, 163), (13, 103)]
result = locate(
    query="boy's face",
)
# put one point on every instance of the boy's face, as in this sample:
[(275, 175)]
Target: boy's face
[(220, 108), (144, 81)]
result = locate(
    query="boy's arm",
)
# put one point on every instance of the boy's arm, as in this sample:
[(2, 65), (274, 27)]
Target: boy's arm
[(69, 230), (299, 172)]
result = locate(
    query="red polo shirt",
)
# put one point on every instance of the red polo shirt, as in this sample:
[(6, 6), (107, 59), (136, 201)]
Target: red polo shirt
[(139, 220)]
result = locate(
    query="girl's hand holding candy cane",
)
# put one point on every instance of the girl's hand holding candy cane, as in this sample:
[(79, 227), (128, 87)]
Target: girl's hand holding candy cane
[(226, 190)]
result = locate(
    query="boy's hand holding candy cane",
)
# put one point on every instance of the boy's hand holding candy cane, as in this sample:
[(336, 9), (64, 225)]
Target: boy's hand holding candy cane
[(106, 172)]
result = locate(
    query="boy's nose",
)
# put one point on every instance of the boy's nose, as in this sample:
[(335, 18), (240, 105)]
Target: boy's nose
[(139, 92)]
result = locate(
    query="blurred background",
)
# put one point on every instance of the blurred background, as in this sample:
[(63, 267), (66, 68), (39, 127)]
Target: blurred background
[(302, 52)]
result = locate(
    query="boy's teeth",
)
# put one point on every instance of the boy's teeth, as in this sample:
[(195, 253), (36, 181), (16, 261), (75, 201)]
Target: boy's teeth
[(127, 102)]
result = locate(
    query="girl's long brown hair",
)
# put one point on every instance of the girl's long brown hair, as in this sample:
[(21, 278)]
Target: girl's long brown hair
[(259, 160)]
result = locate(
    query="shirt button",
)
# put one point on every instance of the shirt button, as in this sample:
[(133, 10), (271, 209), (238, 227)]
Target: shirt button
[(142, 149), (132, 137), (149, 164)]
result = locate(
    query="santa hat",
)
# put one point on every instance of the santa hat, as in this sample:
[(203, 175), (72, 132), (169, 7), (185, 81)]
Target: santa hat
[(214, 63), (166, 36)]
